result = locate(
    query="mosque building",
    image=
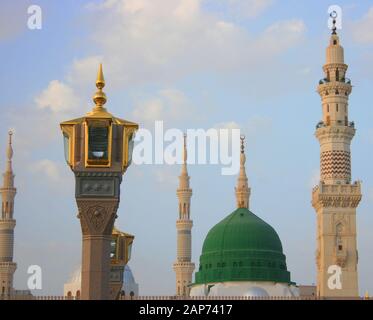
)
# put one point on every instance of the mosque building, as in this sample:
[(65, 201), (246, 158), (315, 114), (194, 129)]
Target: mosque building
[(242, 255)]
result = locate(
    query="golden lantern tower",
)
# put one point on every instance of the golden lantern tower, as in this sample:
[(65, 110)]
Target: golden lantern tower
[(120, 254), (98, 149), (336, 197)]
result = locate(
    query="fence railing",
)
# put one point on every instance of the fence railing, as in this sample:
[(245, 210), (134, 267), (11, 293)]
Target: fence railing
[(139, 298)]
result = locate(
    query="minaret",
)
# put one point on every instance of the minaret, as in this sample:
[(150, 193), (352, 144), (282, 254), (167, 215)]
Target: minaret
[(183, 266), (335, 198), (242, 190), (7, 225)]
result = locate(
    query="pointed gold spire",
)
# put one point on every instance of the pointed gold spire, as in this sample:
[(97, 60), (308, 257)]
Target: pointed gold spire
[(99, 97), (242, 189)]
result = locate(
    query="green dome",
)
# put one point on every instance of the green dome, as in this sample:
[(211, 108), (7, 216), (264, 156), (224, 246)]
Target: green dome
[(242, 247)]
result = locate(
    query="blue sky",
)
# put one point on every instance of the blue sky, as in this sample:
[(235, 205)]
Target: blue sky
[(253, 64)]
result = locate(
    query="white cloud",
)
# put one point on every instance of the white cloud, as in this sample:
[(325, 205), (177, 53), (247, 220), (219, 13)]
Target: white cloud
[(243, 8), (361, 30), (227, 125), (166, 175), (163, 40), (48, 168), (169, 105), (58, 97)]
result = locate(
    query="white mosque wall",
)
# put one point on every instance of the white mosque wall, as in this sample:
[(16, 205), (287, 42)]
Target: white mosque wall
[(245, 288)]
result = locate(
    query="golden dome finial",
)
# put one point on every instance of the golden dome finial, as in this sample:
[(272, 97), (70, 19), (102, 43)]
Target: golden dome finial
[(100, 97), (100, 82)]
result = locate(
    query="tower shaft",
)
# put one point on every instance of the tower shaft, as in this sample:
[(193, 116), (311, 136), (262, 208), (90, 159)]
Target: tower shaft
[(183, 266), (7, 225), (335, 198)]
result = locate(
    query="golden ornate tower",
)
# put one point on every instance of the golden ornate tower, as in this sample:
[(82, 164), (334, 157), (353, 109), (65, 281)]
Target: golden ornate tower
[(7, 225), (183, 266), (335, 198), (98, 149)]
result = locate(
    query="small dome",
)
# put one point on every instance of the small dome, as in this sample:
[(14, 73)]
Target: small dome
[(128, 275), (256, 292), (242, 247)]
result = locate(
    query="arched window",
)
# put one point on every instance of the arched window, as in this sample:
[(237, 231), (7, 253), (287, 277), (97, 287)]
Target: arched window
[(336, 107), (337, 75), (327, 108), (77, 294)]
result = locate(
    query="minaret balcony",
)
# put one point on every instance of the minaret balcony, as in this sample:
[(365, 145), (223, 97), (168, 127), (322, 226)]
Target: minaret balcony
[(342, 80), (336, 195), (338, 88), (322, 124)]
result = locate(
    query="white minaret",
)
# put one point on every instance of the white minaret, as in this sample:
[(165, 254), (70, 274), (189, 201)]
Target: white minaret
[(335, 198), (7, 224), (183, 266), (242, 189)]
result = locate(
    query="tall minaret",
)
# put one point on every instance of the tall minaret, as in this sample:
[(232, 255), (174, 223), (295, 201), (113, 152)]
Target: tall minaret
[(7, 224), (183, 266), (335, 198), (242, 190)]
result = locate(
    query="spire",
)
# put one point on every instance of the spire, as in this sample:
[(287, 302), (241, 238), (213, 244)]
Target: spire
[(99, 97), (184, 170), (334, 15), (9, 152), (242, 189), (8, 174), (184, 178), (334, 52)]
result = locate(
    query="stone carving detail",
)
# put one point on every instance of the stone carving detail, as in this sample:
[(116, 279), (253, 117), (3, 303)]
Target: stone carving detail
[(97, 217)]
